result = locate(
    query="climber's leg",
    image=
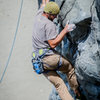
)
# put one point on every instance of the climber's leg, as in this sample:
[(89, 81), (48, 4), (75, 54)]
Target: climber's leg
[(68, 69), (59, 84)]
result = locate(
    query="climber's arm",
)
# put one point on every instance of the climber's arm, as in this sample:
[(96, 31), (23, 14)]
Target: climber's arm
[(54, 42), (44, 3)]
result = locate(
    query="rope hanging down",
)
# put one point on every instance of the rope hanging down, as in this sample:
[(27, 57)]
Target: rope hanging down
[(13, 42)]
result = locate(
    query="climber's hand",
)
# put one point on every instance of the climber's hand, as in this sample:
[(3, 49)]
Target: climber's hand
[(70, 27)]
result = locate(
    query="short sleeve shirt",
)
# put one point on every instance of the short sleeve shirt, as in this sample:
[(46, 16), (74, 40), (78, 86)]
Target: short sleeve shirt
[(43, 30)]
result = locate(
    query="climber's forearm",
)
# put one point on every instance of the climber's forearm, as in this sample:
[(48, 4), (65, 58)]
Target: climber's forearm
[(54, 42)]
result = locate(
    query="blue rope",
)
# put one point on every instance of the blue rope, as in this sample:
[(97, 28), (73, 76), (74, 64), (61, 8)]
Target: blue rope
[(13, 42)]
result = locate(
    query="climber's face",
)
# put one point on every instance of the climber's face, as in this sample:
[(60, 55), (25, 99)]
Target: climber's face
[(52, 16)]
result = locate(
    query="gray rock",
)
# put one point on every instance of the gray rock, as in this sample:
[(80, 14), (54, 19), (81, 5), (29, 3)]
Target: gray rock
[(82, 46), (88, 61)]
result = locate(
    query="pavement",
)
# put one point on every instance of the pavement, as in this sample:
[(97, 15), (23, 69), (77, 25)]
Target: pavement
[(19, 81)]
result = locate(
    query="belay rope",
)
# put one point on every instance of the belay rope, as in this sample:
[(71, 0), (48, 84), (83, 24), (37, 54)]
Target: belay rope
[(13, 42)]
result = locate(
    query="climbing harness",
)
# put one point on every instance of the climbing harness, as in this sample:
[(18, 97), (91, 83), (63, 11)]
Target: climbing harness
[(37, 62), (13, 42)]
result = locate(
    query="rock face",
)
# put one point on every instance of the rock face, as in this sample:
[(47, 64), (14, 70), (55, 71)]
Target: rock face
[(82, 46)]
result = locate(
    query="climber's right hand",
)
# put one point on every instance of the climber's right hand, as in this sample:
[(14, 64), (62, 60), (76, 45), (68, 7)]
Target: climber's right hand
[(69, 27)]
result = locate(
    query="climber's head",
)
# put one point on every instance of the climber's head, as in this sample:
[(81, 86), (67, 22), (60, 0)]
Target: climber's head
[(52, 9)]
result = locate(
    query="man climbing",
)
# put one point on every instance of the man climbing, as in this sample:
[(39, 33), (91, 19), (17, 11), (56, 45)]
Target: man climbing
[(45, 59)]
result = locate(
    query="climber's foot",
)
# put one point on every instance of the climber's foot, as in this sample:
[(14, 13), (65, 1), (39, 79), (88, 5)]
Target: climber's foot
[(77, 94)]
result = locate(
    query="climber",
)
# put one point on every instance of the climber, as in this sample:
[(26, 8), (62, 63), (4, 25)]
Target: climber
[(44, 40)]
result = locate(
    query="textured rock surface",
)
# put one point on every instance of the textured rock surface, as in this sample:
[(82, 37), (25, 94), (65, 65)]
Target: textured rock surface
[(82, 46)]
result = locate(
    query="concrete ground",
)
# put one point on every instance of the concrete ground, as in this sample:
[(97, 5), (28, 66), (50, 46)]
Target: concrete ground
[(19, 81)]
